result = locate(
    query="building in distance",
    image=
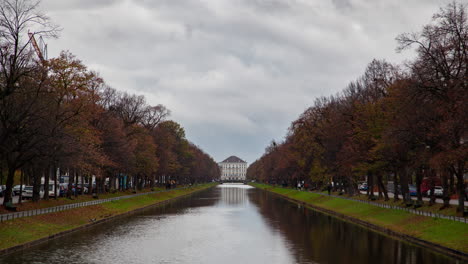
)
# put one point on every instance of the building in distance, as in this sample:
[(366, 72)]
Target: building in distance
[(233, 168)]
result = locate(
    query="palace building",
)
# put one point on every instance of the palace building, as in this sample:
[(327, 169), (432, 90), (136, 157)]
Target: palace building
[(233, 168)]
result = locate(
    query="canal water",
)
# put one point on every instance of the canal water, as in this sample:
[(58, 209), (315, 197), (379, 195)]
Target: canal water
[(227, 224)]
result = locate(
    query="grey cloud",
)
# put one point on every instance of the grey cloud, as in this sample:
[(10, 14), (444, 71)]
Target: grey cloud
[(342, 4), (234, 73), (78, 4)]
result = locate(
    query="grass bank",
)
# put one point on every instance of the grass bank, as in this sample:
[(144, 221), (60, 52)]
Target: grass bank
[(440, 233), (23, 232)]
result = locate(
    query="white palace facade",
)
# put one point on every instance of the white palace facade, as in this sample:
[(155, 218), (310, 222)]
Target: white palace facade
[(233, 168)]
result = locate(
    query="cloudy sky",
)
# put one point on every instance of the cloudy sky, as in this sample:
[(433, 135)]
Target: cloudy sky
[(234, 73)]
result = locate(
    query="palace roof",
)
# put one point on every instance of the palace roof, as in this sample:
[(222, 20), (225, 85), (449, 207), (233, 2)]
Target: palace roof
[(233, 159)]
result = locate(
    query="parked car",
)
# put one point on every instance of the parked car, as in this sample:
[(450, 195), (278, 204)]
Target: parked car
[(84, 187), (426, 184), (363, 186), (2, 190), (28, 192), (16, 189), (52, 189), (391, 187), (412, 190), (438, 191)]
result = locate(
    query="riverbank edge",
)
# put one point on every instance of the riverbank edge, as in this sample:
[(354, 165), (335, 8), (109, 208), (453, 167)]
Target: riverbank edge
[(377, 228), (36, 242)]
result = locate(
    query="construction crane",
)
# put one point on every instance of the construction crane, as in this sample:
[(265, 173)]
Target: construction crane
[(36, 47)]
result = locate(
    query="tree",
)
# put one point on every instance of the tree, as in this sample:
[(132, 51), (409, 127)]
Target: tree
[(440, 72), (16, 61), (21, 84)]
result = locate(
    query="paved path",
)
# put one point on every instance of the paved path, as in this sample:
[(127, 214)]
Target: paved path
[(426, 199)]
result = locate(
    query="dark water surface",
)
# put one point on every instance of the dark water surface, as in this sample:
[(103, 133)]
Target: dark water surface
[(227, 224)]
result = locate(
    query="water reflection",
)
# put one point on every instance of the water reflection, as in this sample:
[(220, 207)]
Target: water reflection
[(234, 194), (227, 224), (319, 238)]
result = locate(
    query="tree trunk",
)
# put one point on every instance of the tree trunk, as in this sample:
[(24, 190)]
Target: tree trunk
[(103, 184), (445, 185), (404, 186), (90, 185), (36, 185), (460, 187), (382, 187), (395, 184), (96, 189), (112, 181), (1, 173), (432, 201), (379, 191), (370, 185), (70, 184), (419, 176), (56, 189), (76, 183), (20, 197), (350, 187), (128, 186), (46, 183), (453, 188), (82, 184), (7, 196)]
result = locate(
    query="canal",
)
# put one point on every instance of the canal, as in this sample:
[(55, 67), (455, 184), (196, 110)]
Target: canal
[(227, 224)]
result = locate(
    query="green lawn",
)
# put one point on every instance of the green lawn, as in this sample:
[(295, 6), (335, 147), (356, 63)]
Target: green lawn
[(444, 232)]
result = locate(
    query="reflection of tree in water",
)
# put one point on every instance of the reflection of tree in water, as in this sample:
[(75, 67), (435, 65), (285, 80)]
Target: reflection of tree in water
[(320, 238), (234, 195), (205, 198)]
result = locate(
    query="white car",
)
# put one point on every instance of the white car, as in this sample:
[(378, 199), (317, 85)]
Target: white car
[(16, 189), (28, 192), (52, 190), (438, 191)]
